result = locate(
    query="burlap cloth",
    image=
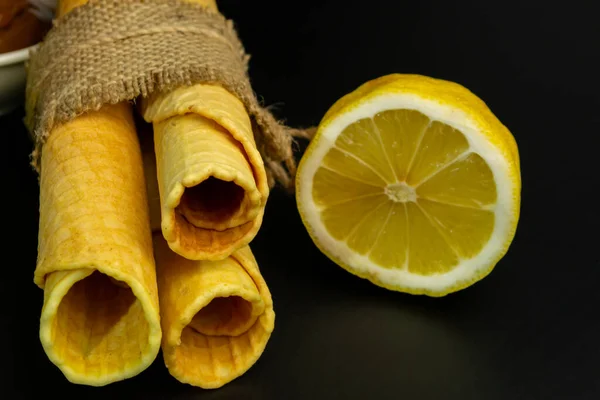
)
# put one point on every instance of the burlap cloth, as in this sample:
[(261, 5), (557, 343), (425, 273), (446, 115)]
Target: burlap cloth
[(109, 51)]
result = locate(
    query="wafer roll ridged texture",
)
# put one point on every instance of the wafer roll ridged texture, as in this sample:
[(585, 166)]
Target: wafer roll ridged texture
[(100, 319), (217, 316), (212, 181)]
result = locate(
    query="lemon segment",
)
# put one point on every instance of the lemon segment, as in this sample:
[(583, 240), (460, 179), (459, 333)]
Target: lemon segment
[(332, 188), (391, 248), (429, 251), (468, 181), (365, 235), (401, 148), (349, 165), (341, 219), (439, 146), (362, 141), (466, 229)]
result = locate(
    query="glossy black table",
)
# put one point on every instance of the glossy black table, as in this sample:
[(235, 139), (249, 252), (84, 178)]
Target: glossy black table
[(530, 330)]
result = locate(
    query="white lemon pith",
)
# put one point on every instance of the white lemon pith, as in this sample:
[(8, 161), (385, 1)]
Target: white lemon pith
[(411, 182)]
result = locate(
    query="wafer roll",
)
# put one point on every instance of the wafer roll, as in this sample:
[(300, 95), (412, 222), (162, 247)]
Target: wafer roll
[(100, 319), (217, 316), (212, 180)]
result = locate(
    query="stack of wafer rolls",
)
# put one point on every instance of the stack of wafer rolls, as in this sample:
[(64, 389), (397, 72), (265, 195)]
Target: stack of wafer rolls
[(125, 228)]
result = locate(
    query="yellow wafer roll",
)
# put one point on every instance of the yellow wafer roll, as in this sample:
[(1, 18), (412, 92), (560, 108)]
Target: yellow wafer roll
[(212, 180), (217, 316), (100, 320)]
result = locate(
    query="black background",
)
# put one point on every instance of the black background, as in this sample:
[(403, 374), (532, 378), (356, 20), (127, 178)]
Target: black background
[(530, 330)]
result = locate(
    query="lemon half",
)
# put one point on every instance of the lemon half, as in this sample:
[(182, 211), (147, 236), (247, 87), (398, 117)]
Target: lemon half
[(412, 183)]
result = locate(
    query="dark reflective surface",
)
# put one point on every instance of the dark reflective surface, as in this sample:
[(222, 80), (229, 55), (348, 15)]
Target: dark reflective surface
[(528, 331)]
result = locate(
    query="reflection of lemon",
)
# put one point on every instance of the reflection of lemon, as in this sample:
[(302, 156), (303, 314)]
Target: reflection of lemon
[(412, 183)]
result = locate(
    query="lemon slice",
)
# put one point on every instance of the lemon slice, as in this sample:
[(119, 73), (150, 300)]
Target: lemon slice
[(412, 183)]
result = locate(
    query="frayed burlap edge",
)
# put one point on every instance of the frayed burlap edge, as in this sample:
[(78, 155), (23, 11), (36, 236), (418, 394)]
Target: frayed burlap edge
[(109, 51)]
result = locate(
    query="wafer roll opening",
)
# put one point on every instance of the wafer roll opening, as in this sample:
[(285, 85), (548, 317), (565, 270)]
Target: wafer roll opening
[(224, 316), (94, 323), (214, 201)]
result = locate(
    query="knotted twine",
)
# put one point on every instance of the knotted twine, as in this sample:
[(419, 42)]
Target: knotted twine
[(109, 51)]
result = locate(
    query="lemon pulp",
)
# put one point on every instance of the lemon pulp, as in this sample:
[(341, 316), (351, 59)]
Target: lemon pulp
[(407, 192)]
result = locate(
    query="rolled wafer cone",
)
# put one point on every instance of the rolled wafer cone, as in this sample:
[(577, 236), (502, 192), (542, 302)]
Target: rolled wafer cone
[(217, 316), (212, 180), (100, 320)]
